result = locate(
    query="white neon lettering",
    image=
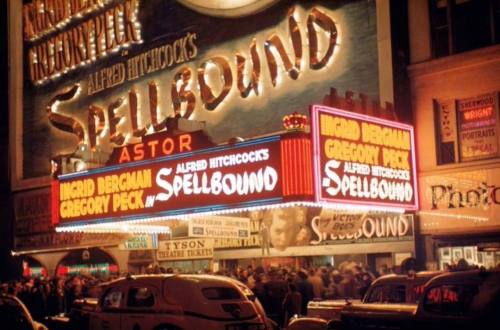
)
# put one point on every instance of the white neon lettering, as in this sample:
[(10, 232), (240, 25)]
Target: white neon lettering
[(164, 184), (264, 179), (358, 186)]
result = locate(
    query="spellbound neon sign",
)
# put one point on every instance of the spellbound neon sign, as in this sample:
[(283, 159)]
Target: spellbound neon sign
[(363, 160), (111, 124)]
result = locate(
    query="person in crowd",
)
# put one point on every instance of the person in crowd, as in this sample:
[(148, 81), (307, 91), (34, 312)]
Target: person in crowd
[(366, 281), (348, 286), (333, 289), (305, 288), (276, 290), (317, 283), (292, 304), (259, 288)]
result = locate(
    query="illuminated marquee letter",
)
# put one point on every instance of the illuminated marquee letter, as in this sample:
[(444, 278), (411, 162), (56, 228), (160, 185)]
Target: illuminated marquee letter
[(181, 94), (132, 100), (274, 42), (211, 102), (61, 122), (326, 23), (254, 80), (132, 33), (332, 176), (95, 113), (153, 105), (114, 136)]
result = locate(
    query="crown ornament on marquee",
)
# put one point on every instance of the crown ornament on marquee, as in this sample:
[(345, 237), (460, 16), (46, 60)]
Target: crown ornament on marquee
[(295, 121)]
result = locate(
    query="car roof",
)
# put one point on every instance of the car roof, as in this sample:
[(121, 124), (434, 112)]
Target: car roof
[(11, 300), (468, 276), (7, 298), (399, 278), (202, 280)]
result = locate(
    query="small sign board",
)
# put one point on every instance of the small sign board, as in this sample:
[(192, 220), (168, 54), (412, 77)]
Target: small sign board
[(186, 249), (219, 227), (139, 242)]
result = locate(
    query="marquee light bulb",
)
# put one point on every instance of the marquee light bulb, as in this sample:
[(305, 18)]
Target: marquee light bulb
[(135, 226)]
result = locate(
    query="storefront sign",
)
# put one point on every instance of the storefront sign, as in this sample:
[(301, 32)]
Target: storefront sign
[(185, 249), (34, 230), (451, 197), (219, 227), (277, 230), (140, 242), (447, 121), (363, 160), (362, 228), (254, 239), (247, 173), (32, 212), (478, 124), (52, 240), (461, 200), (337, 222)]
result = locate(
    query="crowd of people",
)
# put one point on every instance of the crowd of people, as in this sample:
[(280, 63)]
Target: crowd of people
[(286, 291), (50, 296), (283, 291)]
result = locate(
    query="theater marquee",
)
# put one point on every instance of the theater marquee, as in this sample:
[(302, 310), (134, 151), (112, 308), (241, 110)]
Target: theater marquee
[(363, 160), (217, 178)]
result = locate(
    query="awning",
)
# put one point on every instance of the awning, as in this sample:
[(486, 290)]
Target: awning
[(485, 241)]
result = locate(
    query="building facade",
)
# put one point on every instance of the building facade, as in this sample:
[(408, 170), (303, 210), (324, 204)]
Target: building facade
[(107, 86), (455, 84)]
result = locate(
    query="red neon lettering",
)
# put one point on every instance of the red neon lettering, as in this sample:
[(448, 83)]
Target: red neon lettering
[(185, 142), (152, 145), (167, 146), (139, 151), (124, 156)]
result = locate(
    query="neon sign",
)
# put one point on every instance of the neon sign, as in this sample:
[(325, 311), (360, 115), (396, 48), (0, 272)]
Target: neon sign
[(363, 160), (113, 29), (247, 173), (160, 145), (235, 74)]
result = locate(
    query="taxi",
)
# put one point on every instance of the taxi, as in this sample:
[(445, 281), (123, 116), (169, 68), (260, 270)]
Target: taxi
[(174, 302)]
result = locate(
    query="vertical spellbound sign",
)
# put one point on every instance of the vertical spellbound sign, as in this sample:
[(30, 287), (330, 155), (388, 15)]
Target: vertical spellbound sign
[(363, 160)]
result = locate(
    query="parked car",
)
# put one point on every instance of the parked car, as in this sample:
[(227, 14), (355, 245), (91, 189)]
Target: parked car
[(457, 300), (15, 315), (388, 289), (171, 302)]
